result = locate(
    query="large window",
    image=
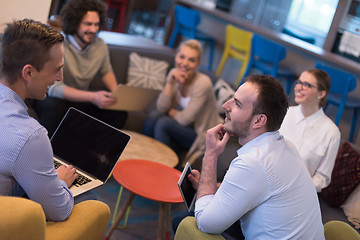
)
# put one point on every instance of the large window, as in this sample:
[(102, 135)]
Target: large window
[(312, 18)]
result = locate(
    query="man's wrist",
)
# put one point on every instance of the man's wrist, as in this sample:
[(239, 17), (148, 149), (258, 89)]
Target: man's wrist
[(211, 156)]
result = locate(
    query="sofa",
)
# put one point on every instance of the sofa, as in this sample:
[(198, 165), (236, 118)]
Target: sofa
[(341, 199), (120, 47)]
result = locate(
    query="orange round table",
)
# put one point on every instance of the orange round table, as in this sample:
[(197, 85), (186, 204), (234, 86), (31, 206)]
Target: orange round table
[(150, 180)]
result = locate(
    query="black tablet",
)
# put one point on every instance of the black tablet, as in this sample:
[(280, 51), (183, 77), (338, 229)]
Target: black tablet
[(187, 190)]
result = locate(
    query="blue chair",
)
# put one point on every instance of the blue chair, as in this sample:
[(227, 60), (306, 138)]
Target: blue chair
[(186, 21), (341, 84), (265, 55)]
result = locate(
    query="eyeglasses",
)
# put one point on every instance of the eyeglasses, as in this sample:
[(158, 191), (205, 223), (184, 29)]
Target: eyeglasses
[(304, 85)]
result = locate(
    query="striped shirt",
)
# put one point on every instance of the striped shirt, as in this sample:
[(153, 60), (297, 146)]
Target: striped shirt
[(26, 161)]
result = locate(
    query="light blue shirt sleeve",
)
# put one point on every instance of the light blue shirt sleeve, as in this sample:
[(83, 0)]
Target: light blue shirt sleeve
[(34, 171), (243, 188)]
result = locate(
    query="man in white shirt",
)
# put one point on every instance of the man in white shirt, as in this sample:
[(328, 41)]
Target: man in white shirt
[(267, 186)]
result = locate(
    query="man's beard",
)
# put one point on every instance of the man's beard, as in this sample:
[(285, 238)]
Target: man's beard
[(81, 38), (240, 129)]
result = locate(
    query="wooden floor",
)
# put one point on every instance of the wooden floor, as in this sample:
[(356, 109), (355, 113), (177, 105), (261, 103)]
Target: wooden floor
[(143, 216)]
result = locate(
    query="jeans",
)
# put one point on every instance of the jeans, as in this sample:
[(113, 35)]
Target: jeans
[(168, 131)]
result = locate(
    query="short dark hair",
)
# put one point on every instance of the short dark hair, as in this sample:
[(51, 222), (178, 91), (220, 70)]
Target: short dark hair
[(271, 101), (74, 10), (26, 42), (323, 82)]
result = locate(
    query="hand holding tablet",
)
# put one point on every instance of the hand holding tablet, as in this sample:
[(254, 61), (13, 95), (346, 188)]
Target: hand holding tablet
[(187, 190)]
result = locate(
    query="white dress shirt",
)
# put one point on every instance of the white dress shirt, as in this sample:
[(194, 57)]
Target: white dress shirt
[(269, 189), (317, 139)]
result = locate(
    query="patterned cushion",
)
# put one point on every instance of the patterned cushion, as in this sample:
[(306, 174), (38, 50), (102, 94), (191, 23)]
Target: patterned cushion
[(345, 176), (223, 92), (146, 72), (351, 207)]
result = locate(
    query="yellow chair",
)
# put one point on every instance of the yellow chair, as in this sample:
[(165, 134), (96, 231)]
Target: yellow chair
[(238, 46), (22, 218)]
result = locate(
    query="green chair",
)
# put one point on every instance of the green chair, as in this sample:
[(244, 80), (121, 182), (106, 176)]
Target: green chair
[(188, 230), (334, 230), (337, 230)]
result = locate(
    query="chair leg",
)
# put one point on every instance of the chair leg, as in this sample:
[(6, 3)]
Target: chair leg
[(326, 105), (339, 113), (211, 54), (241, 75), (353, 124), (167, 220), (289, 82), (221, 64), (161, 221), (172, 38)]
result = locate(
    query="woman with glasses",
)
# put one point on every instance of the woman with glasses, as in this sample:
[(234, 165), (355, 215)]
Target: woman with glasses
[(314, 134)]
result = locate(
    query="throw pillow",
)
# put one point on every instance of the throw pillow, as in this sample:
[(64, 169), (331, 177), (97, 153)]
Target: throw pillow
[(345, 176), (351, 207), (146, 72), (223, 92)]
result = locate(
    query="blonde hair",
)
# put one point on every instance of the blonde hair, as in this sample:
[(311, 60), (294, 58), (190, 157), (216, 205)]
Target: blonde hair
[(193, 44)]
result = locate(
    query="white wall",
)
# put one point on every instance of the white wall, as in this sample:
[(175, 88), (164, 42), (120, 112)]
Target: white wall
[(18, 9)]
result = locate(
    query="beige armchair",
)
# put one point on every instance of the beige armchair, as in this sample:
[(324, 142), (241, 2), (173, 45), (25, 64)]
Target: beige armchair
[(24, 219)]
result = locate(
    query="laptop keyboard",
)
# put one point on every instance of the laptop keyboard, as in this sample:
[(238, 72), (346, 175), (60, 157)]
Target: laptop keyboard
[(80, 180)]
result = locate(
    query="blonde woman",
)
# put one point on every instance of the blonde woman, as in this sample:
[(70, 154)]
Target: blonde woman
[(186, 107)]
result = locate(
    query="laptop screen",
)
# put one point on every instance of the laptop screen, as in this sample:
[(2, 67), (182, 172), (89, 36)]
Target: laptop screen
[(88, 143)]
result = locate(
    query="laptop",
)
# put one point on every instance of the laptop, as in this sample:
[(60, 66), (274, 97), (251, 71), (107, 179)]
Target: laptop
[(133, 98), (91, 146)]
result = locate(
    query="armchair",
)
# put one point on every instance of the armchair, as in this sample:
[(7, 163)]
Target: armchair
[(24, 219), (334, 230), (188, 230)]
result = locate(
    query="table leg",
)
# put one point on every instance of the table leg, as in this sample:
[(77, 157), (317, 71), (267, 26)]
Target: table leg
[(161, 221), (120, 216), (168, 220)]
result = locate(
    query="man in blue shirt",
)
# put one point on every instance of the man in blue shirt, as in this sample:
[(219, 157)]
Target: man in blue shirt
[(32, 60)]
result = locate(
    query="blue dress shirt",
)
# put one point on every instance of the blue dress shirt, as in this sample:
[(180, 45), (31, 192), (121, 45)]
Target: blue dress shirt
[(26, 161)]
